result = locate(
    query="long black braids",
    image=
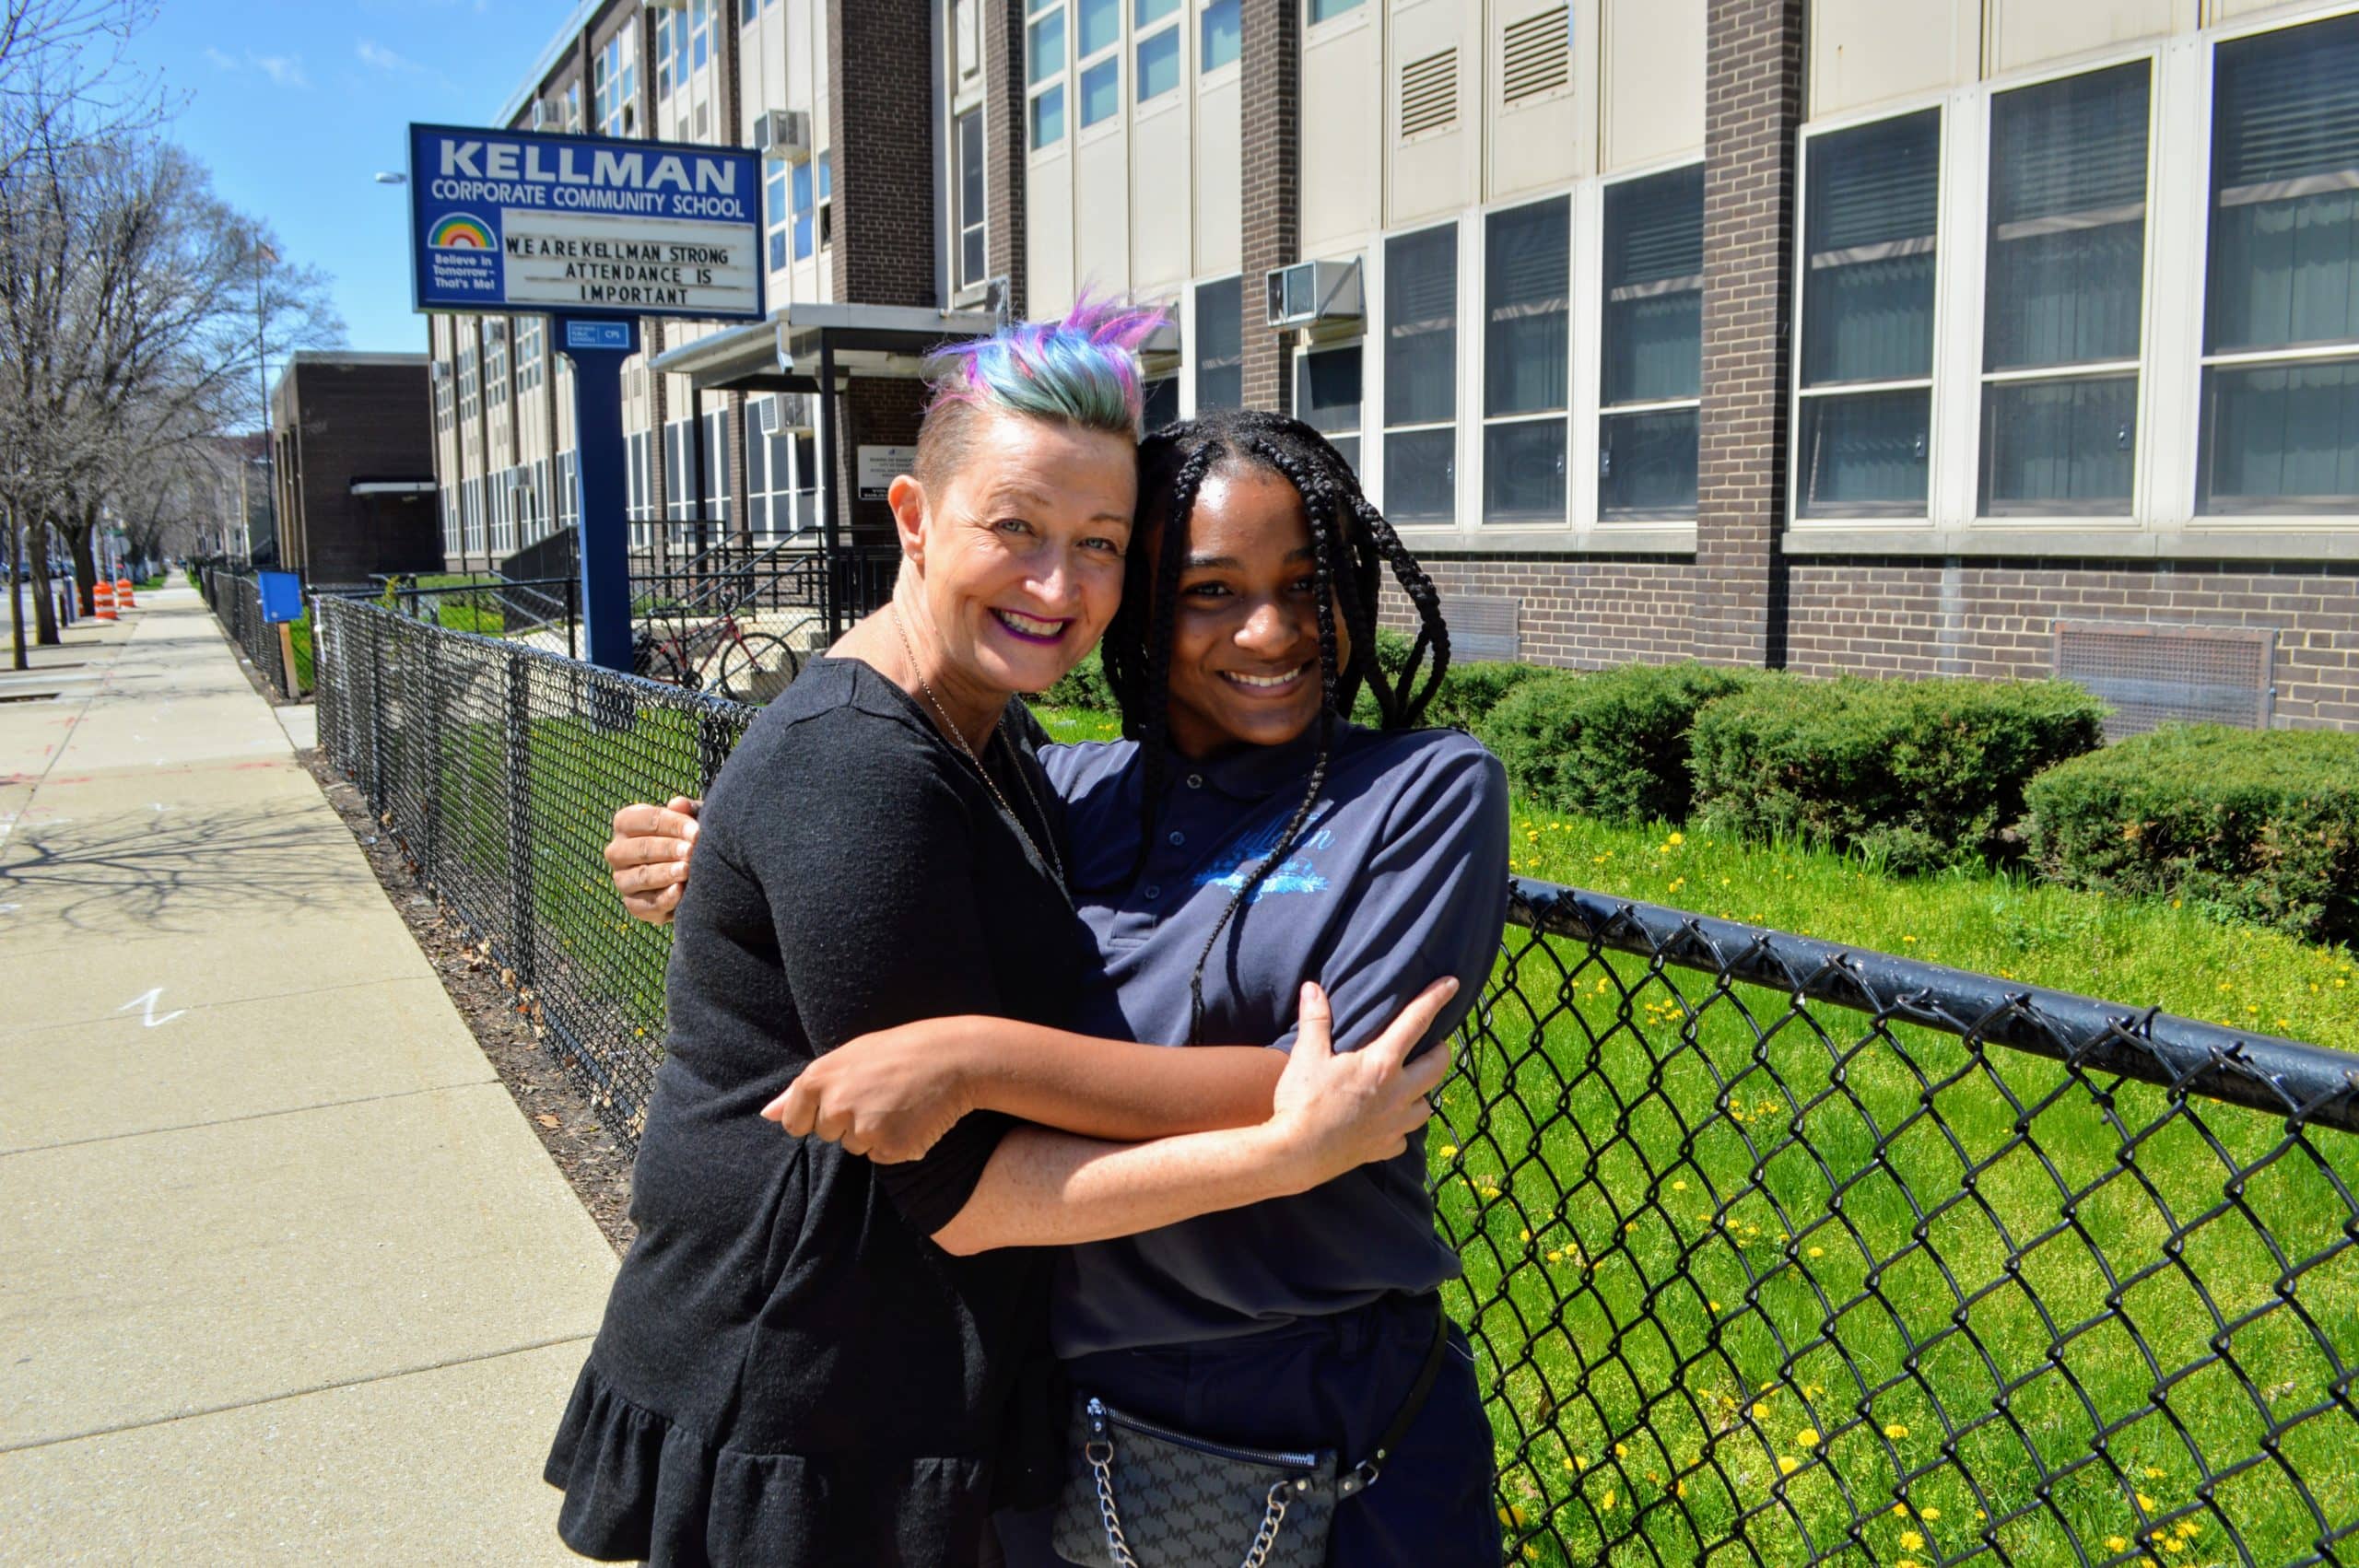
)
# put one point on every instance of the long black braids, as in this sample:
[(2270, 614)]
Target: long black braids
[(1351, 545)]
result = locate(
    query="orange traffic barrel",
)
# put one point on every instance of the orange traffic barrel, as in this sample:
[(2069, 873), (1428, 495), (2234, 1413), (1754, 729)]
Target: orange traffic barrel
[(123, 599), (102, 599)]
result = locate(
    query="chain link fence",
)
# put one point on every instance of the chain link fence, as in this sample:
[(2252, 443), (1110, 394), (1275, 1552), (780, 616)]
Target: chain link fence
[(235, 599), (1776, 1251)]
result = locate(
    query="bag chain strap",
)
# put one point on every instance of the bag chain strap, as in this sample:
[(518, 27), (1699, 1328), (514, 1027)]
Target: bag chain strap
[(1101, 1461)]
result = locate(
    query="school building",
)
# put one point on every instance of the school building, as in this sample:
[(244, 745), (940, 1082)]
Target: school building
[(1985, 337)]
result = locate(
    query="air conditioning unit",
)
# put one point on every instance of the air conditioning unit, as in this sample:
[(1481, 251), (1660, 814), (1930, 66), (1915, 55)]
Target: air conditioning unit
[(1311, 292), (548, 114), (788, 414), (783, 134)]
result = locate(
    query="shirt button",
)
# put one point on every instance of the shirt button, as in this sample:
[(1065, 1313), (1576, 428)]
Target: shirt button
[(1178, 838), (1195, 781), (1151, 892)]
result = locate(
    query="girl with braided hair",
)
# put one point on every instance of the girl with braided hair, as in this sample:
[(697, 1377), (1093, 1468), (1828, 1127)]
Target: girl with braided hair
[(1243, 837)]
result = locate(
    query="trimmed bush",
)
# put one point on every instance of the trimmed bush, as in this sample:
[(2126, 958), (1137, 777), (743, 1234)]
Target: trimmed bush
[(1612, 743), (1921, 774), (2260, 825), (1083, 686)]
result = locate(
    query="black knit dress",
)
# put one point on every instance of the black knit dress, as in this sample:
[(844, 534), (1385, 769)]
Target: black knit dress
[(790, 1372)]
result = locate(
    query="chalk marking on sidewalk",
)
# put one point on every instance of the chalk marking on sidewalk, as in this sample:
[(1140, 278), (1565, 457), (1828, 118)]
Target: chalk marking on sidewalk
[(149, 1018)]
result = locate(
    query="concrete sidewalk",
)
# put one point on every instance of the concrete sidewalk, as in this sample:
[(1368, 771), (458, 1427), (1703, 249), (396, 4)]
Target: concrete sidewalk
[(283, 1276)]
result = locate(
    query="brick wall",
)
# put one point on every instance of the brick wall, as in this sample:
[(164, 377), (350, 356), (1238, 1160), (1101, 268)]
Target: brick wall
[(1271, 94), (359, 422), (880, 78), (1003, 140), (1582, 611), (1993, 619), (1752, 112)]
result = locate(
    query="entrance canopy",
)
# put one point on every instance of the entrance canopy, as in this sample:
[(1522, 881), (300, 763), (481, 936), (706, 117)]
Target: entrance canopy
[(821, 350), (786, 352)]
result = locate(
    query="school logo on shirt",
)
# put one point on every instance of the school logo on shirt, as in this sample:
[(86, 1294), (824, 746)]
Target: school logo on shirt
[(1298, 874)]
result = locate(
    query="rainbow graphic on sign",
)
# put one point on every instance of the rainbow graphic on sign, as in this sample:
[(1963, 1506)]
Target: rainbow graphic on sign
[(460, 232)]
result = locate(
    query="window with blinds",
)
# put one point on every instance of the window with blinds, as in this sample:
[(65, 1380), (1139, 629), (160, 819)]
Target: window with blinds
[(2280, 379), (1536, 54), (1420, 375), (1652, 354), (2064, 288), (1526, 261), (1870, 226), (1220, 344), (1430, 93)]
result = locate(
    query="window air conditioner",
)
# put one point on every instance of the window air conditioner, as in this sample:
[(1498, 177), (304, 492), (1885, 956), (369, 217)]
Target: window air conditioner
[(783, 134), (548, 114), (788, 414), (1311, 292)]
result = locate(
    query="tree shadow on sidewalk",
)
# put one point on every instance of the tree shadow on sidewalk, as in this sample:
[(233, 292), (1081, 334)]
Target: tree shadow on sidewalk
[(175, 872)]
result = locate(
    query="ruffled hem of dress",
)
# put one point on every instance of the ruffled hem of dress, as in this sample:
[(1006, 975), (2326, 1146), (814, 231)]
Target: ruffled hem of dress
[(639, 1487)]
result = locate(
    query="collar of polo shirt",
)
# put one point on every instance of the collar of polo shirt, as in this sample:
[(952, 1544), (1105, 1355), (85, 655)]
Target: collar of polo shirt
[(1255, 773)]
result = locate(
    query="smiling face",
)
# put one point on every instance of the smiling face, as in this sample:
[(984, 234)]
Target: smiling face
[(1018, 550), (1245, 638)]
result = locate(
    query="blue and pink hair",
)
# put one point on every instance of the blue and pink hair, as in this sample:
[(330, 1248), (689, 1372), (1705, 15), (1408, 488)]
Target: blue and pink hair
[(1080, 371)]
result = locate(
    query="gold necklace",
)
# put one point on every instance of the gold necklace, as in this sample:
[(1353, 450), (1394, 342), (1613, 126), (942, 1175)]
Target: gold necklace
[(1047, 856)]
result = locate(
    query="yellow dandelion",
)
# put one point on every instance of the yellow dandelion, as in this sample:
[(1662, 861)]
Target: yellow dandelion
[(1681, 1488), (1532, 1551), (1608, 1504), (2154, 1472), (1818, 1252), (1900, 1510), (1806, 1438), (1506, 1517), (2148, 1504), (1678, 838), (1449, 1151), (1928, 1515), (1912, 1541), (1517, 1516), (1760, 1411), (1527, 1233), (1713, 1304), (1679, 1186), (1895, 1432), (1621, 1451), (1787, 1466)]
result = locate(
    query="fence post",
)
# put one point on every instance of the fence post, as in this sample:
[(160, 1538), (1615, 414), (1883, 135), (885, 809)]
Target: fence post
[(522, 907)]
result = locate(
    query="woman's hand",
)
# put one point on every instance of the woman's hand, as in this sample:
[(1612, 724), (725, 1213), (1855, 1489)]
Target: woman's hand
[(649, 856), (1339, 1112), (889, 1095)]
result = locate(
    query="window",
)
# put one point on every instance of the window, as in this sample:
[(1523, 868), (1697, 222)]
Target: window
[(776, 215), (1101, 91), (1162, 403), (614, 84), (1044, 71), (1653, 347), (802, 213), (1220, 345), (1420, 375), (2068, 253), (1221, 35), (568, 498), (669, 36), (766, 479), (1327, 396), (2281, 365), (972, 261), (1145, 14), (1044, 51), (1323, 10), (826, 166), (495, 365), (1527, 259), (1097, 25), (468, 387), (717, 488), (529, 361), (1158, 63), (1867, 338), (700, 25)]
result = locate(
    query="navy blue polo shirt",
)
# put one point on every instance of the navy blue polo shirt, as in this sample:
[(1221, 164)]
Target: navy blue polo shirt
[(1399, 878)]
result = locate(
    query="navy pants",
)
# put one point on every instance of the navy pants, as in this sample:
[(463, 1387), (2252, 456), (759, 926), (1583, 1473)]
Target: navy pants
[(1325, 1383)]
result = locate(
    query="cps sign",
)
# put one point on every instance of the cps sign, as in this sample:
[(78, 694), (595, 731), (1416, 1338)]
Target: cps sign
[(513, 221)]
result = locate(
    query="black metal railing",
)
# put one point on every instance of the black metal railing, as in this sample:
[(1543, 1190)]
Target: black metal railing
[(1776, 1251)]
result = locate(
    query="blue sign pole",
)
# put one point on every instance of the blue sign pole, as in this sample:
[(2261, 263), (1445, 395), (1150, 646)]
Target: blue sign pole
[(598, 349)]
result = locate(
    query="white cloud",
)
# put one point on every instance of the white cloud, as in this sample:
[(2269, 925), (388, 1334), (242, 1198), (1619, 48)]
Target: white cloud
[(377, 56), (220, 61), (284, 70)]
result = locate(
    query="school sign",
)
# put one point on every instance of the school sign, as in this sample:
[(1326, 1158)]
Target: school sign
[(513, 222)]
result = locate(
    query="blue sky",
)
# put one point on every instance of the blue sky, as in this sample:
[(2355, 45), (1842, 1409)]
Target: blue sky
[(294, 104)]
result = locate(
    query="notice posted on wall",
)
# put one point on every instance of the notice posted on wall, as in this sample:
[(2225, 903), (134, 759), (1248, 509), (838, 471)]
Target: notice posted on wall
[(879, 466), (518, 221)]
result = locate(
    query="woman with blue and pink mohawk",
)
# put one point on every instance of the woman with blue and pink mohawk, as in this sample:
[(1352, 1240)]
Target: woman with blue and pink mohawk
[(809, 1357)]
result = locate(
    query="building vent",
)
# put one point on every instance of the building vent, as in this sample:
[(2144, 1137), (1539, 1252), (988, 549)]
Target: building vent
[(1481, 629), (2150, 675), (1430, 93), (1539, 54)]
